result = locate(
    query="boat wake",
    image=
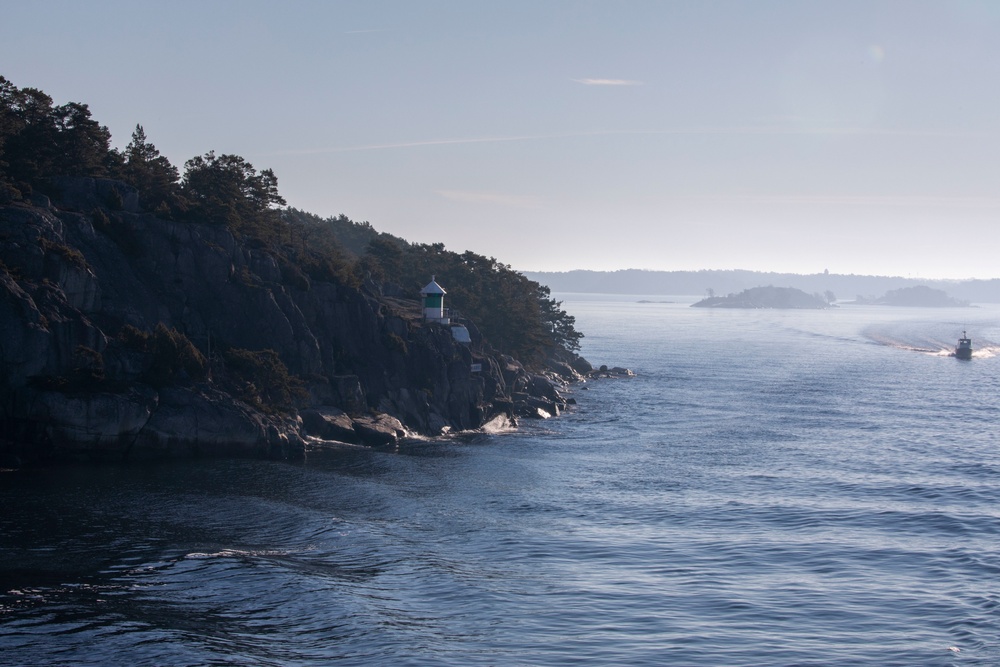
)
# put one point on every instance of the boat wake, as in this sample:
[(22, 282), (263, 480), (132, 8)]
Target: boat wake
[(931, 339), (986, 351), (925, 346)]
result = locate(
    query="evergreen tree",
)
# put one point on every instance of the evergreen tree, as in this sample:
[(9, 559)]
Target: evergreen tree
[(151, 174), (29, 136), (38, 140), (227, 190), (82, 145)]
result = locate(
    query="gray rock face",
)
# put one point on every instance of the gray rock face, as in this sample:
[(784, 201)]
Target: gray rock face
[(379, 431), (329, 423), (86, 194), (24, 338), (542, 387), (73, 273), (206, 422), (93, 425)]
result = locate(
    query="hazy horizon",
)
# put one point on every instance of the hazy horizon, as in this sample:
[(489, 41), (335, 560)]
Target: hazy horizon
[(764, 271), (854, 137)]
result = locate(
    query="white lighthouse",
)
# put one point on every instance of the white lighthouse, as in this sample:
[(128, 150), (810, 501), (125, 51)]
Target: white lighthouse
[(433, 301)]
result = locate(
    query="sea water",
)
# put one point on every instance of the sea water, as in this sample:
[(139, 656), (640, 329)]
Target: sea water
[(772, 488)]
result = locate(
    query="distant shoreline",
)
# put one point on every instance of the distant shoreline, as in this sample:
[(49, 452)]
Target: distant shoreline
[(644, 284)]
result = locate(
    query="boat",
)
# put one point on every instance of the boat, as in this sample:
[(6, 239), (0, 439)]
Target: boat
[(964, 348)]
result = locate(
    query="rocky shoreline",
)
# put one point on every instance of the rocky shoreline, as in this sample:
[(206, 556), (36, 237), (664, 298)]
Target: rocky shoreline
[(124, 336), (141, 424)]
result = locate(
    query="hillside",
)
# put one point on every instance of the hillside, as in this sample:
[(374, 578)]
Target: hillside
[(149, 313)]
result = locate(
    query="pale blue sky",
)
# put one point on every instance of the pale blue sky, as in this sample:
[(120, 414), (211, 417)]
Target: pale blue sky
[(859, 137)]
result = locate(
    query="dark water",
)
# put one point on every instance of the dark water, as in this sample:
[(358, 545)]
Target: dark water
[(817, 488)]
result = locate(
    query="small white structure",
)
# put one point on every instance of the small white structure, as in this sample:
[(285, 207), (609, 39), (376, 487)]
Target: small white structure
[(433, 302)]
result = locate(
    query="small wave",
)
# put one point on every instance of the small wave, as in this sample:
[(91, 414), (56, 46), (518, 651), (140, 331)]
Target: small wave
[(316, 443), (499, 424), (237, 553)]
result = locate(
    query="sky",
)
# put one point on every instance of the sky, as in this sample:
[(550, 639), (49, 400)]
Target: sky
[(795, 136)]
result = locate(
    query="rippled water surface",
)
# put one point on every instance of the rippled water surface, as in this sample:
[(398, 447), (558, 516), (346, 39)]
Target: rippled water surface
[(773, 488)]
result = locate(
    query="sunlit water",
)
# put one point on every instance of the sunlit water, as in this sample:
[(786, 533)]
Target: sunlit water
[(773, 488)]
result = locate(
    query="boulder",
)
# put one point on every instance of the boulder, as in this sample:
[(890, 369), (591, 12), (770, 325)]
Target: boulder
[(379, 431), (328, 423), (535, 413), (563, 370), (551, 407), (534, 407), (498, 423), (542, 387), (202, 422), (581, 365)]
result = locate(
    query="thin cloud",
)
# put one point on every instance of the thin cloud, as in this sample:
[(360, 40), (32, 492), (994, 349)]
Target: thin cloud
[(690, 131), (609, 82), (493, 140), (496, 198), (919, 201), (438, 142)]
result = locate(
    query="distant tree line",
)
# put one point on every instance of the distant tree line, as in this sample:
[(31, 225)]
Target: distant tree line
[(40, 140)]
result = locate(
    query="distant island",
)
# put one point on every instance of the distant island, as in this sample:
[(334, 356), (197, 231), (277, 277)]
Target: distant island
[(919, 296), (766, 297), (645, 282)]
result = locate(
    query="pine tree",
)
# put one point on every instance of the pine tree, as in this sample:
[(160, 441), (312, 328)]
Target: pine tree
[(151, 174)]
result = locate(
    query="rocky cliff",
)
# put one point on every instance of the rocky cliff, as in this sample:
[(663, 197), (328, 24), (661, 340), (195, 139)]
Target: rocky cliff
[(123, 335)]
